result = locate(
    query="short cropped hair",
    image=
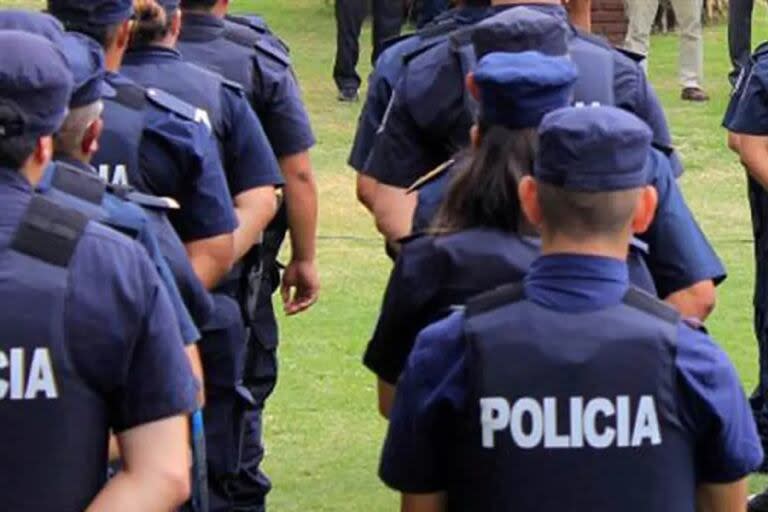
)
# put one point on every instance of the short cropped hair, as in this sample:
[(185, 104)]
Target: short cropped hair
[(68, 140), (204, 5), (104, 35), (580, 215), (14, 151)]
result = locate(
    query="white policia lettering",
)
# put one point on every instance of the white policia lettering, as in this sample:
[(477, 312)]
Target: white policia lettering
[(39, 382), (117, 177), (533, 423)]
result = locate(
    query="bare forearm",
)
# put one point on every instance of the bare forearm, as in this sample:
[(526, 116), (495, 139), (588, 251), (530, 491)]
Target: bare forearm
[(253, 217), (127, 492), (211, 259), (754, 155), (302, 205), (423, 503), (730, 497)]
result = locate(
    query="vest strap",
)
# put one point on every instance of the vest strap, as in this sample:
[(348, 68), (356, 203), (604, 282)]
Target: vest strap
[(131, 96), (70, 180), (647, 303), (49, 232), (501, 296)]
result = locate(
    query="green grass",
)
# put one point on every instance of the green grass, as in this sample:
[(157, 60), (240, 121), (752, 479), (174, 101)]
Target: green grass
[(323, 431)]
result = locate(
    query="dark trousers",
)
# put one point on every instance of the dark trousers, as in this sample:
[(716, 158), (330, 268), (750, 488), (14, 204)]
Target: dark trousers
[(350, 14), (739, 34)]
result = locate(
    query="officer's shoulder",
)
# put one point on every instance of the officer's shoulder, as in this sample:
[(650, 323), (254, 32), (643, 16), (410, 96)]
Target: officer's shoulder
[(83, 185), (208, 74), (425, 46), (259, 26), (172, 104), (619, 54), (493, 299)]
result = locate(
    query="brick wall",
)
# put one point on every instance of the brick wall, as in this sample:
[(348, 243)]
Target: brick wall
[(608, 19)]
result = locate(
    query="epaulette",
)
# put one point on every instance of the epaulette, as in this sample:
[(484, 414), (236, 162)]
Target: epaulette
[(761, 50), (410, 238), (83, 185), (493, 299), (272, 52), (646, 302), (145, 200), (438, 29), (130, 95), (232, 85), (172, 104), (258, 25), (664, 148), (49, 232), (392, 41), (430, 176)]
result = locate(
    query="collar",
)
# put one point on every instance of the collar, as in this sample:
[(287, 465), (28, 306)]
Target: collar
[(74, 162), (470, 15), (551, 9), (12, 178), (198, 26), (577, 283), (151, 53)]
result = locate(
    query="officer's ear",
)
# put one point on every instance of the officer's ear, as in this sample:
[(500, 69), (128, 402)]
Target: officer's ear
[(123, 35), (528, 193), (645, 209), (34, 167), (90, 143), (176, 24), (474, 136), (472, 87)]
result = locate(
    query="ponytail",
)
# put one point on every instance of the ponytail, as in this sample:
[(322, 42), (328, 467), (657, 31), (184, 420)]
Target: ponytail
[(152, 23)]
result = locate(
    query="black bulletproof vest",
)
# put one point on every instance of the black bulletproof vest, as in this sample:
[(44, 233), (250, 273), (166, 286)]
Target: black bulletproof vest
[(573, 411)]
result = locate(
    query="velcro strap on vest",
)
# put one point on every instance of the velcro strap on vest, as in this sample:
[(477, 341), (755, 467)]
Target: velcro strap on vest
[(49, 232), (643, 301), (501, 296), (88, 187)]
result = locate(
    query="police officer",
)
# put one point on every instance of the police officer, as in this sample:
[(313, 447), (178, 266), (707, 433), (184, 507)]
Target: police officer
[(152, 141), (384, 77), (72, 181), (480, 238), (429, 116), (574, 368), (683, 263), (90, 341), (237, 48), (748, 134)]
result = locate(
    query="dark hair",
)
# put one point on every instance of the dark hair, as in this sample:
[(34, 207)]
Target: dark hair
[(152, 22), (483, 192), (205, 5), (14, 151), (579, 215)]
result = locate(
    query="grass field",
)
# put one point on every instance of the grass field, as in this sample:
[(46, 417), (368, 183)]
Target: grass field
[(323, 431)]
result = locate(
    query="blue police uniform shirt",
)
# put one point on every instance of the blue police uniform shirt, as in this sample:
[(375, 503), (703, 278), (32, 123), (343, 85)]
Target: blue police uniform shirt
[(108, 357), (160, 152), (245, 151), (386, 73), (427, 120), (431, 402), (226, 47), (151, 228), (434, 274)]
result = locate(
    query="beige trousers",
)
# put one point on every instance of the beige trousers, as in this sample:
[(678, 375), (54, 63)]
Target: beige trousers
[(641, 14)]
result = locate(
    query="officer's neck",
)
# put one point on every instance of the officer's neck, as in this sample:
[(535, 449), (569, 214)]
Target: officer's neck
[(34, 169), (615, 248)]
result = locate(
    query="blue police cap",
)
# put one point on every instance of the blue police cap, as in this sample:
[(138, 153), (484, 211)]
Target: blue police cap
[(518, 89), (593, 149), (91, 12), (35, 85), (84, 56), (521, 29)]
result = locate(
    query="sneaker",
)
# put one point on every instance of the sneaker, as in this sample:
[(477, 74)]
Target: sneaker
[(758, 502), (349, 96), (694, 94)]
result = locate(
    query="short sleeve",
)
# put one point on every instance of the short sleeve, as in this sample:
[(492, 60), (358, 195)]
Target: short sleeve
[(281, 110), (412, 285), (750, 115), (713, 406), (190, 154), (431, 397), (680, 254), (371, 117), (248, 158), (156, 380)]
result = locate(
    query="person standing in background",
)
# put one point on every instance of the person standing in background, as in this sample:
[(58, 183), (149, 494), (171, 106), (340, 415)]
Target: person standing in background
[(350, 14), (739, 35), (641, 14)]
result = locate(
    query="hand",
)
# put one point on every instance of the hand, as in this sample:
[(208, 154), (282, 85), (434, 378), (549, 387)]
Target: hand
[(300, 286)]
